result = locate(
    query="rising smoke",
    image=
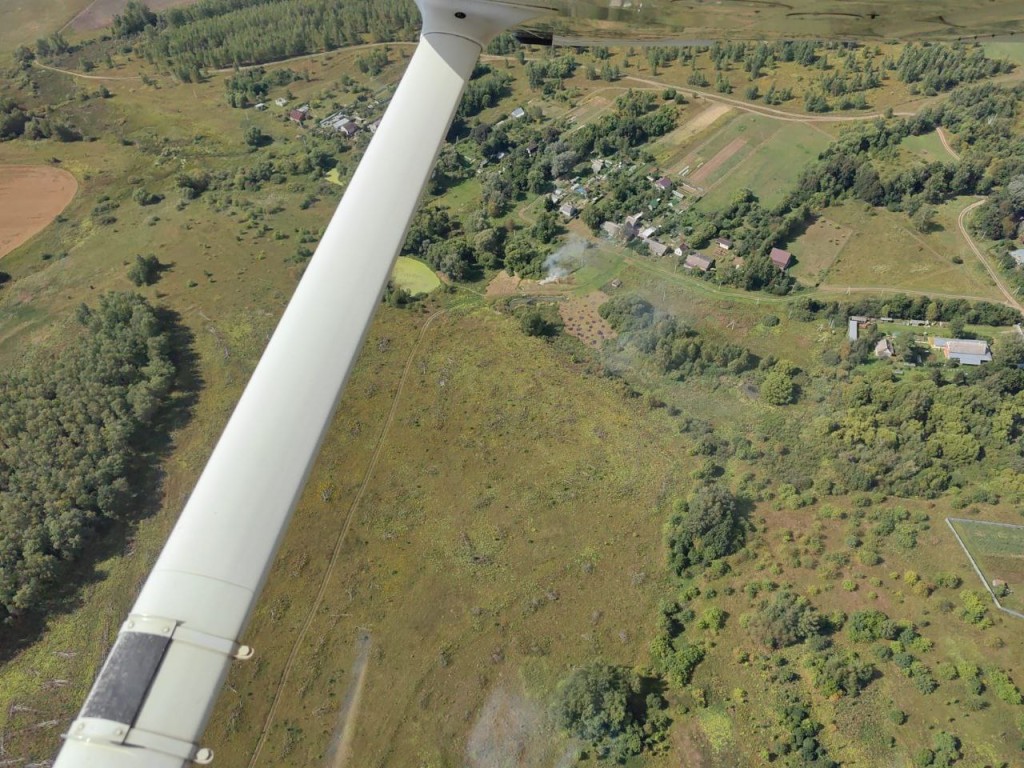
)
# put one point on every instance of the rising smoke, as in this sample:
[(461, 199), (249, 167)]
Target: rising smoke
[(565, 260)]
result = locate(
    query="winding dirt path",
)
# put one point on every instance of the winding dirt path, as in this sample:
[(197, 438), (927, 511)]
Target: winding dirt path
[(338, 544), (945, 142), (82, 75), (981, 257)]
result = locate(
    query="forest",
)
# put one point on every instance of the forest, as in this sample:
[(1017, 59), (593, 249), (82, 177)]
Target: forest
[(76, 432), (220, 33)]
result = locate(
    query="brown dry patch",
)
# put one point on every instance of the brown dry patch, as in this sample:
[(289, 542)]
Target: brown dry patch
[(716, 162), (503, 284), (582, 320), (101, 13), (681, 135), (31, 196)]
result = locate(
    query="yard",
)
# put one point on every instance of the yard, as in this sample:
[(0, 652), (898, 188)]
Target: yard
[(998, 549)]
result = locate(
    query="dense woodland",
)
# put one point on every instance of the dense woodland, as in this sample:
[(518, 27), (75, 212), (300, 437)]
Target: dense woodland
[(75, 430), (220, 33)]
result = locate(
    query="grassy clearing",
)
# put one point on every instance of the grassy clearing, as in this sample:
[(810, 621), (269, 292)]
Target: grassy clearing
[(999, 552), (910, 260), (926, 148), (414, 276), (817, 250), (1011, 51)]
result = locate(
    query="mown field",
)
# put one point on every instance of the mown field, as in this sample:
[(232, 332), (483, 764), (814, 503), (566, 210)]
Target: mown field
[(909, 261)]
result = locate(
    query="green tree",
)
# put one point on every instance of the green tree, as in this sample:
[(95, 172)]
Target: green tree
[(703, 528), (254, 136), (778, 387), (145, 270), (605, 706)]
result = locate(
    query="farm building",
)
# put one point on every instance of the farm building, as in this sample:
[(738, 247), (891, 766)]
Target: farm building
[(724, 243), (884, 349), (261, 106), (964, 351), (517, 113), (696, 261), (656, 248), (1018, 256), (280, 101), (780, 258)]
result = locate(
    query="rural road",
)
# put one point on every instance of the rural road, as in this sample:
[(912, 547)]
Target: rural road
[(981, 257), (776, 114), (339, 542), (71, 73)]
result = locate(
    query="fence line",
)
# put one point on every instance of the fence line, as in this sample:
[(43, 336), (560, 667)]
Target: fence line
[(974, 564)]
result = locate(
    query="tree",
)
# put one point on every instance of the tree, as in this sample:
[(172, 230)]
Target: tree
[(924, 218), (703, 528), (254, 136), (145, 270), (778, 387), (605, 707)]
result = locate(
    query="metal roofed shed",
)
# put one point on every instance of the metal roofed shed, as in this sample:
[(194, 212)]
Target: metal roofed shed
[(964, 351)]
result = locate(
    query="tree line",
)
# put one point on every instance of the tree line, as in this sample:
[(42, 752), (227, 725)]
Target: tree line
[(75, 430)]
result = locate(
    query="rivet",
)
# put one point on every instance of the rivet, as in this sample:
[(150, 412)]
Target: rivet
[(460, 15)]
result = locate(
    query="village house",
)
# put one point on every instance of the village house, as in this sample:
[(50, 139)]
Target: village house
[(1018, 256), (633, 220), (568, 210), (964, 351), (597, 166), (724, 244), (664, 184), (297, 116), (781, 259), (699, 262), (656, 248), (517, 113), (372, 127), (261, 106), (648, 232), (884, 349)]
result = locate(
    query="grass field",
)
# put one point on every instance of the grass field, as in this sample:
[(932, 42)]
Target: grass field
[(817, 250), (999, 552), (514, 490), (926, 148), (910, 260), (414, 276), (26, 20), (776, 153)]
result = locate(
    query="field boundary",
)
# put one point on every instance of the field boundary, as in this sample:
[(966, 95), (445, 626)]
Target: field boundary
[(974, 564)]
